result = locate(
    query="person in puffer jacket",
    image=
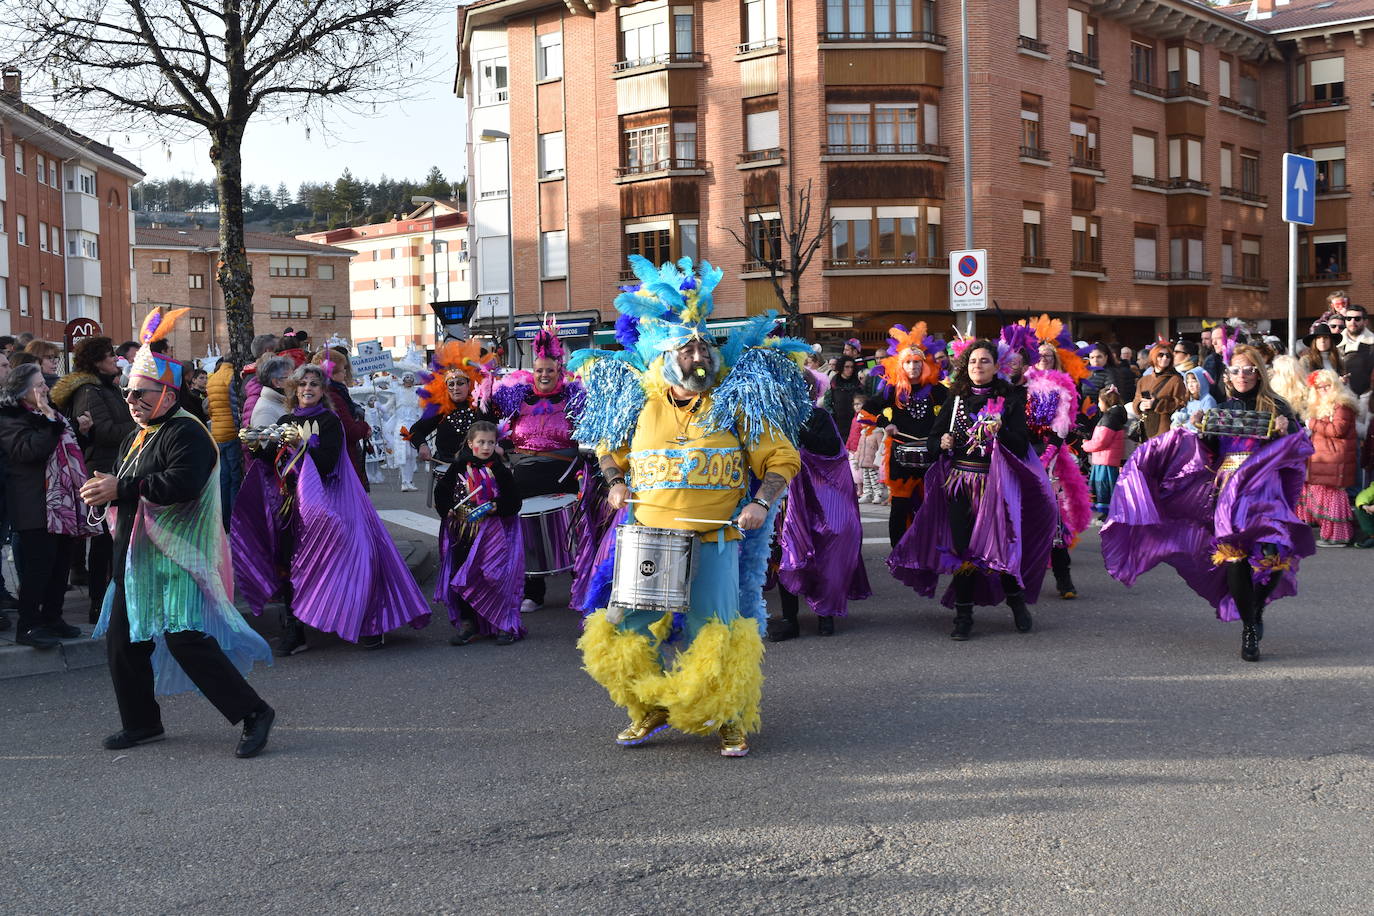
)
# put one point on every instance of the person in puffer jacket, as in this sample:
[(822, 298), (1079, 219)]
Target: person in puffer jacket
[(222, 402), (1106, 449), (870, 461)]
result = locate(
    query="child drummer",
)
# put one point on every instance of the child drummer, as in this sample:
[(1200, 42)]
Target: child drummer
[(483, 556)]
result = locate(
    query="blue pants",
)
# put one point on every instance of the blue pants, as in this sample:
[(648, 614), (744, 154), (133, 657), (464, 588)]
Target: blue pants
[(714, 594), (230, 476)]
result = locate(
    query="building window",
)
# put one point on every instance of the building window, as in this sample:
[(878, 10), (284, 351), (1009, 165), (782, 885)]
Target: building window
[(761, 129), (198, 325), (41, 169), (1032, 236), (1330, 168), (52, 172), (42, 236), (23, 300), (852, 239), (1087, 243), (765, 240), (1185, 254), (56, 246), (45, 298), (1328, 80), (760, 25), (281, 265), (195, 281), (492, 81), (82, 180), (21, 229), (1323, 255), (553, 254), (1146, 252), (1030, 19), (83, 245), (376, 284), (897, 235), (549, 61), (881, 128), (1184, 65), (654, 245), (327, 312), (325, 272), (646, 149), (376, 254), (687, 240), (1083, 133), (684, 32), (1250, 257), (57, 306), (1031, 135), (4, 297), (1250, 172), (1143, 63), (654, 33), (19, 167), (1249, 87), (1082, 38), (290, 307), (1224, 68), (162, 266), (551, 155), (1185, 158)]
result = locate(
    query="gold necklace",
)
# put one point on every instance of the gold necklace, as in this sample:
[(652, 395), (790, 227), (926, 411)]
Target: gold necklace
[(684, 424)]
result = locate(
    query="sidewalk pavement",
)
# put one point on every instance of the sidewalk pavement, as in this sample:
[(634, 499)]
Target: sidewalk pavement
[(84, 652)]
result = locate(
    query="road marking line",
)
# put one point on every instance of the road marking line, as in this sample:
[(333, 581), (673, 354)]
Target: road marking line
[(425, 524)]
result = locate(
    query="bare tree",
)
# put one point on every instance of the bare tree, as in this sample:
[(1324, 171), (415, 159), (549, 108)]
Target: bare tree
[(190, 66), (787, 254)]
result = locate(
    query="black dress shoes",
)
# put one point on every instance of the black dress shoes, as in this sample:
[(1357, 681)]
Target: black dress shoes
[(782, 628), (64, 630), (37, 638), (825, 626), (256, 725), (131, 737)]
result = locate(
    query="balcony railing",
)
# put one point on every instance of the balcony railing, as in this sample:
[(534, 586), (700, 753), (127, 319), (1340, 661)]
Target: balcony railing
[(760, 267), (1083, 60), (1092, 267), (1186, 91), (1325, 279), (1232, 280), (1249, 196), (1241, 108), (661, 165), (493, 96), (1317, 104), (1035, 262), (1142, 180), (1030, 44), (1187, 184), (760, 155), (1151, 275), (884, 149), (932, 38), (747, 46), (1035, 152), (1147, 88), (1188, 276), (1079, 162), (674, 57), (909, 261), (290, 315)]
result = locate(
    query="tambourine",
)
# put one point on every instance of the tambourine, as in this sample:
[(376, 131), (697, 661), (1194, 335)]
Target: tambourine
[(1257, 424), (270, 438)]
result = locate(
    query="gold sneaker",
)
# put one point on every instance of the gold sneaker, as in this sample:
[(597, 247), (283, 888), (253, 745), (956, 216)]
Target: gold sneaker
[(648, 725), (732, 743)]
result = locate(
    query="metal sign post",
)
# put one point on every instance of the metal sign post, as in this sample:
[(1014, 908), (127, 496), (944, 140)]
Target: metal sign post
[(1299, 209)]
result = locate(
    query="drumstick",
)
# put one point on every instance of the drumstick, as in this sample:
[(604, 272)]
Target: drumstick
[(894, 432), (709, 521)]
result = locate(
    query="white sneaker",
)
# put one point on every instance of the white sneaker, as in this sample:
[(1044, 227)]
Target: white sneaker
[(528, 606)]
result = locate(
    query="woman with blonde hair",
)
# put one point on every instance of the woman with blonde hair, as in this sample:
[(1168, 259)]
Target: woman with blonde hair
[(1219, 506), (1288, 380), (1331, 411)]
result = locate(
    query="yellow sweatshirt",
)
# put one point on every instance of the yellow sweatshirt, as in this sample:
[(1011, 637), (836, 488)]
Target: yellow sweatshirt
[(680, 471)]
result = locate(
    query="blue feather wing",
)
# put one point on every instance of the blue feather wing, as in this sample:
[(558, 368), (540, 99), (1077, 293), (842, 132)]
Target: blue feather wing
[(765, 388), (611, 402)]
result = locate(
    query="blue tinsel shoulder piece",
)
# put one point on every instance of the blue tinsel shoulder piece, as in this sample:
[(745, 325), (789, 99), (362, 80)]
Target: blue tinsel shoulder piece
[(612, 400), (765, 388)]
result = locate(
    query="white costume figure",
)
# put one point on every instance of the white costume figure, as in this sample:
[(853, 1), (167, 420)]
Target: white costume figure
[(377, 447), (407, 412)]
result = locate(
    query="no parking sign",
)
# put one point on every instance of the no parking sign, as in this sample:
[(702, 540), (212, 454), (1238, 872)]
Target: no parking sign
[(968, 280)]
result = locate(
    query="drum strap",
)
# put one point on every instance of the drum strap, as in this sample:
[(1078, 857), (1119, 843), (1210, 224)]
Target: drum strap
[(553, 455)]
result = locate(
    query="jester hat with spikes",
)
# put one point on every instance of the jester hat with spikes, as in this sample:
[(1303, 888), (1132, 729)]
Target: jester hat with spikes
[(157, 367)]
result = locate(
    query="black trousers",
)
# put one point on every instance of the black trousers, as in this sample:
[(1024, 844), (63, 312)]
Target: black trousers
[(44, 562), (131, 670), (961, 519), (1250, 596), (98, 565)]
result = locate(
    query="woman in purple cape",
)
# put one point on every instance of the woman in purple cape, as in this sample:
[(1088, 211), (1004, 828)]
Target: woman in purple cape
[(304, 529), (1220, 509), (822, 534), (988, 517)]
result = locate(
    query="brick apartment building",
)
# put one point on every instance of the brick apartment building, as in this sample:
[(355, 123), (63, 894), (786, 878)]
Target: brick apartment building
[(392, 272), (65, 224), (1126, 153), (300, 285)]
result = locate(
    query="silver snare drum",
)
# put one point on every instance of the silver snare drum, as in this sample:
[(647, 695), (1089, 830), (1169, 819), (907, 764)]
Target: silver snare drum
[(914, 456), (544, 523), (654, 568)]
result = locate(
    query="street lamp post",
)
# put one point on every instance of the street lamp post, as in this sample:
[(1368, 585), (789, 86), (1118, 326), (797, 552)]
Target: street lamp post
[(492, 136)]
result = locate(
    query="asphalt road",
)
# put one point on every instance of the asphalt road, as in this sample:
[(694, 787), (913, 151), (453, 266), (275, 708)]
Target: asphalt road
[(1119, 759)]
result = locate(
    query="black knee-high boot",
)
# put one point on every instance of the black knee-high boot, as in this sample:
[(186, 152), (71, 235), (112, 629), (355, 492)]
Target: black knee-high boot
[(963, 606), (1241, 584), (1016, 600), (785, 627), (293, 631), (1063, 578)]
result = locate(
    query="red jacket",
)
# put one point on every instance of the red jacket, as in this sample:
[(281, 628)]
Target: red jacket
[(1334, 461)]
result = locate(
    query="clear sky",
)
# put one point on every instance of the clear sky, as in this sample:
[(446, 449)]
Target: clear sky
[(402, 141)]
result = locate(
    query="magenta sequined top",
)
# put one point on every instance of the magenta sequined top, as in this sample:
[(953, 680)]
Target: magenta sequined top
[(543, 426)]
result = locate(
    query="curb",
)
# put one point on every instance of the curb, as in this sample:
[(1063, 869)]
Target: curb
[(79, 654)]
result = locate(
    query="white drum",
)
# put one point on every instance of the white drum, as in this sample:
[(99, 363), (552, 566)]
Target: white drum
[(654, 568), (545, 522)]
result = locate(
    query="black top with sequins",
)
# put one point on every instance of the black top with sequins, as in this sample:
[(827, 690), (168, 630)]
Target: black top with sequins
[(1013, 433)]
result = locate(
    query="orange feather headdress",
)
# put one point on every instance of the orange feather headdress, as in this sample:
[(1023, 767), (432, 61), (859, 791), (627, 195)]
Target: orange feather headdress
[(456, 357)]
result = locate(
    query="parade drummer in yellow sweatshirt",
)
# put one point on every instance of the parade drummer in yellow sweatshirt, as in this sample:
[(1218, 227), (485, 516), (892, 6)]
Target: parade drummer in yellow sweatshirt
[(703, 429)]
